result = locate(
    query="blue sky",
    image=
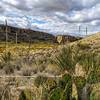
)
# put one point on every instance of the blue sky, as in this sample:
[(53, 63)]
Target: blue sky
[(53, 16)]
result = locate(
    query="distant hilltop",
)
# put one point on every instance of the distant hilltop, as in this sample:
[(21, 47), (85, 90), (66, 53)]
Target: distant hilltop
[(25, 35), (66, 38)]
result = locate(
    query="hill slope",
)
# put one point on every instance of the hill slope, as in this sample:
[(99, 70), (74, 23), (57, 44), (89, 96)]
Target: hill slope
[(24, 35), (90, 43)]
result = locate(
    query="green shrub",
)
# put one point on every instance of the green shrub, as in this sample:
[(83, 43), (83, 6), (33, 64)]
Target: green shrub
[(50, 84), (93, 77), (26, 95), (80, 82), (22, 96), (63, 81), (56, 94), (40, 80), (83, 46), (67, 91), (62, 90), (95, 95)]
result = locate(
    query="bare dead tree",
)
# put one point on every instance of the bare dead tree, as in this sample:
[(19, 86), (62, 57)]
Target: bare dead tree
[(29, 45), (6, 42), (16, 39)]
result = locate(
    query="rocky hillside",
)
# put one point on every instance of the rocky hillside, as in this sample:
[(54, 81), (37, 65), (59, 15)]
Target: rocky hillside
[(24, 35), (71, 38)]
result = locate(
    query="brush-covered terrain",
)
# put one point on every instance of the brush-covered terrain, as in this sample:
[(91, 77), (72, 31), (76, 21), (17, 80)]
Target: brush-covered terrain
[(47, 71), (91, 42)]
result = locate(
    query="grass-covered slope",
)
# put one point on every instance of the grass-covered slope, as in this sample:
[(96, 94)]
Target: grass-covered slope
[(49, 73), (91, 43)]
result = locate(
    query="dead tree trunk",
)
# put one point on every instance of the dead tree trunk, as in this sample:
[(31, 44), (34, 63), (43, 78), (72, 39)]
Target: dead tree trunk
[(6, 42), (16, 39)]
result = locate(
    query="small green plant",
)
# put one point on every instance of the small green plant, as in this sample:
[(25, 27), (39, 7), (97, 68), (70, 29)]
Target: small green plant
[(26, 95), (83, 46), (62, 90), (55, 94), (22, 96), (90, 64), (66, 60), (40, 80), (50, 84)]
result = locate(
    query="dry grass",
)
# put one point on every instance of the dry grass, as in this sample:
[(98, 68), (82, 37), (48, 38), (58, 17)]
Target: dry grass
[(12, 47), (91, 43), (41, 51)]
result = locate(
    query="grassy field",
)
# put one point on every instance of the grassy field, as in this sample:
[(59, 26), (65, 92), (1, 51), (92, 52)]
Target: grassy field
[(46, 71), (91, 43), (12, 47)]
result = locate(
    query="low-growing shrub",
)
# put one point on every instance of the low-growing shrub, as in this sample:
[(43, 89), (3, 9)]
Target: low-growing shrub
[(9, 69), (26, 95), (83, 46), (40, 80), (27, 72)]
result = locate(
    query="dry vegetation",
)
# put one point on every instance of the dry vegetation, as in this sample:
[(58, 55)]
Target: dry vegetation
[(47, 72)]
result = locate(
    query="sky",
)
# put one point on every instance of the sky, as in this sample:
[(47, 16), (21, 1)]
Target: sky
[(52, 16)]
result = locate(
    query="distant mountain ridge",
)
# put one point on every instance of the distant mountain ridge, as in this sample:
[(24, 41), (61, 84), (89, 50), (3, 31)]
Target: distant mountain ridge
[(26, 35)]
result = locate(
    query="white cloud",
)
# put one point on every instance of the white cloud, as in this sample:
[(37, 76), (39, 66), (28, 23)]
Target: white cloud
[(60, 15)]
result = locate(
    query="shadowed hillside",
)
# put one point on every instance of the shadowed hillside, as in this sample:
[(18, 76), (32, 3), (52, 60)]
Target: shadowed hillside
[(24, 35)]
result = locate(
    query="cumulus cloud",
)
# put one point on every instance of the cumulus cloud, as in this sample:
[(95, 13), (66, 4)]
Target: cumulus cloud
[(42, 5), (54, 16)]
